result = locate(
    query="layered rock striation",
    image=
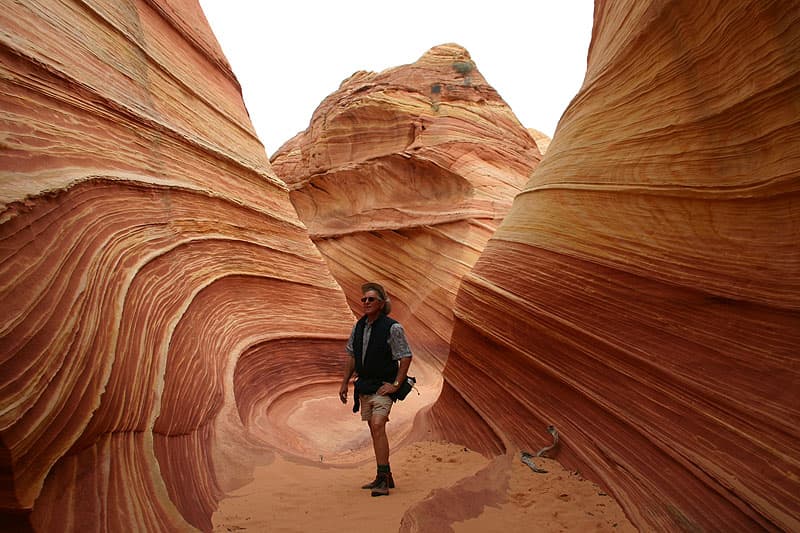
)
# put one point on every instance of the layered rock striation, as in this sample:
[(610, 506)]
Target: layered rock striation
[(147, 251), (157, 278), (643, 293), (401, 177)]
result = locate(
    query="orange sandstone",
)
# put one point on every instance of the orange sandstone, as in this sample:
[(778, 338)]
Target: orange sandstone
[(643, 293), (148, 248)]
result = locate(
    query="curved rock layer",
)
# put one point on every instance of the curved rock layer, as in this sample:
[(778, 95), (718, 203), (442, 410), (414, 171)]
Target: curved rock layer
[(643, 293), (402, 177), (146, 246)]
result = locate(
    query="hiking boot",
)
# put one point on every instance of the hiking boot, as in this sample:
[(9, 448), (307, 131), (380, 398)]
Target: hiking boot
[(384, 482), (374, 483)]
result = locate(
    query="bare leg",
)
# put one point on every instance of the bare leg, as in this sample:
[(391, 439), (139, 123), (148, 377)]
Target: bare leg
[(380, 442)]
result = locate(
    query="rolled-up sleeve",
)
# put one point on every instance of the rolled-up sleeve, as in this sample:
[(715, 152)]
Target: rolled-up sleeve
[(398, 342)]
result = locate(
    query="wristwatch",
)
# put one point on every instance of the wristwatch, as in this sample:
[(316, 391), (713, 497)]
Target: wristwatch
[(396, 383)]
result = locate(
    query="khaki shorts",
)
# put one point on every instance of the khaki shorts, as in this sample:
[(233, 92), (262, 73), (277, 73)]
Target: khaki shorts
[(375, 404)]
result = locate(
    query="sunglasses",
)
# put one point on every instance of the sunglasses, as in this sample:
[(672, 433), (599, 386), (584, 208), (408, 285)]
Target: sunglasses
[(369, 299)]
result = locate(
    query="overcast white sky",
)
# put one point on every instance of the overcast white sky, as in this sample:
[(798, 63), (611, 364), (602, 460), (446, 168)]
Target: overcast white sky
[(289, 55)]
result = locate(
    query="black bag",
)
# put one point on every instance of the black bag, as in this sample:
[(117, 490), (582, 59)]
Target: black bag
[(404, 389)]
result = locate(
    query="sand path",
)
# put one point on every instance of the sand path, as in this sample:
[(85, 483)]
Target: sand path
[(440, 487)]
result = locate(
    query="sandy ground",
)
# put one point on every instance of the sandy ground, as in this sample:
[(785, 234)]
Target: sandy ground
[(440, 487)]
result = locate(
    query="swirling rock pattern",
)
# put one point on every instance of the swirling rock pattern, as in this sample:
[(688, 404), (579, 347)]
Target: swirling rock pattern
[(402, 176), (643, 293), (146, 246)]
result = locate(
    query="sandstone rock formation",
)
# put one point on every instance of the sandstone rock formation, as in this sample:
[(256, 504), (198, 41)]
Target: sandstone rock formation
[(542, 140), (402, 177), (643, 294), (154, 272)]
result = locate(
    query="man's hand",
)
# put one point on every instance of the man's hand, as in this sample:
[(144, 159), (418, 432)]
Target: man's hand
[(387, 388), (349, 367)]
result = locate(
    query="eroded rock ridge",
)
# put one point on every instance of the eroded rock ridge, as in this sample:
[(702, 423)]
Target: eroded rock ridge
[(643, 293), (402, 176), (152, 264)]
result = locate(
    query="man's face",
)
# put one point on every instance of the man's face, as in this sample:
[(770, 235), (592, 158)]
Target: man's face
[(372, 302)]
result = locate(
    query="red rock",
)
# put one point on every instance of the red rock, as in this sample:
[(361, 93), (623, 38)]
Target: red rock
[(401, 177), (146, 246), (643, 293), (542, 140)]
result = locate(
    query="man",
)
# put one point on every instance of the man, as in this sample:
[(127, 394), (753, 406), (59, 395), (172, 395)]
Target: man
[(380, 356)]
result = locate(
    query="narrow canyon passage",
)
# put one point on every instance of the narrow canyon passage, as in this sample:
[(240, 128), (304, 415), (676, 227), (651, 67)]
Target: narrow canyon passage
[(174, 304), (315, 454)]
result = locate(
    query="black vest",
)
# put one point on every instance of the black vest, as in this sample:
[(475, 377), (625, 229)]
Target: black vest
[(378, 363)]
